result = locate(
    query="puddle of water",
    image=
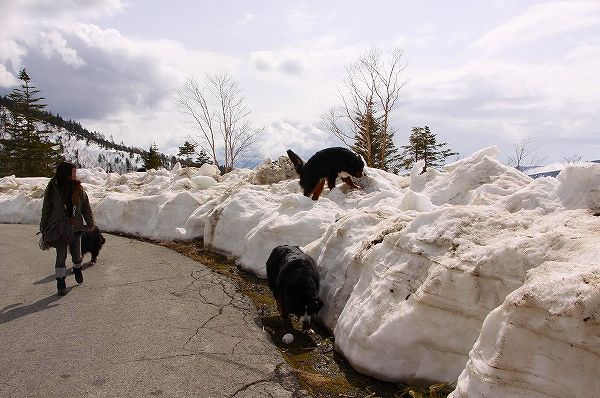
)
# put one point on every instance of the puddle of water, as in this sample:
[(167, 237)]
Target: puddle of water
[(320, 369)]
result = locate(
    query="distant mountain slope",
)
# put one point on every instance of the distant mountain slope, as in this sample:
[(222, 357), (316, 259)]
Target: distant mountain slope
[(89, 154), (550, 170), (84, 148)]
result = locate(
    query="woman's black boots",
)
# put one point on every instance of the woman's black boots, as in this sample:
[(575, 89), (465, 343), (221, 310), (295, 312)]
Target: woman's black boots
[(61, 285)]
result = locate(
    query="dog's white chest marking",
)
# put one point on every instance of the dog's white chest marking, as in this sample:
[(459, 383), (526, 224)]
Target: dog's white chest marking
[(305, 318), (343, 174)]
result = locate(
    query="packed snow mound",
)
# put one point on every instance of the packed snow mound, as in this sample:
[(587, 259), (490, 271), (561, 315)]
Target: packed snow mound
[(269, 172), (543, 340), (474, 273), (153, 204)]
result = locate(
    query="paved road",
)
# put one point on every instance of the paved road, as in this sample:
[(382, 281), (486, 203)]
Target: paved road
[(147, 322)]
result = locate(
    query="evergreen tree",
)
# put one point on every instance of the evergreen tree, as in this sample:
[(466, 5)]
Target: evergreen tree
[(152, 158), (187, 150), (391, 157), (370, 141), (25, 150), (423, 145), (368, 128), (202, 158), (3, 122)]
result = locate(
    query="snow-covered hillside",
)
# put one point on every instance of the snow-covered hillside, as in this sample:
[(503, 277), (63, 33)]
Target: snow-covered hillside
[(87, 153), (90, 155), (475, 273)]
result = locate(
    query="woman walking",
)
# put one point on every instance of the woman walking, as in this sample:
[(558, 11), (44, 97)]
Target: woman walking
[(65, 200)]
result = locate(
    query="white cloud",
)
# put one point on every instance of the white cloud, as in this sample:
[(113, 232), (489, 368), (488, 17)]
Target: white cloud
[(493, 101), (11, 54), (584, 51), (59, 9), (89, 72), (247, 19), (320, 59), (539, 21), (292, 67), (122, 85), (300, 19), (54, 43), (6, 78), (28, 24), (303, 138), (142, 127), (268, 61)]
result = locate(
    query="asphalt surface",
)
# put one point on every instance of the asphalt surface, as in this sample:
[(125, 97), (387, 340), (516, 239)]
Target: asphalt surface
[(146, 322)]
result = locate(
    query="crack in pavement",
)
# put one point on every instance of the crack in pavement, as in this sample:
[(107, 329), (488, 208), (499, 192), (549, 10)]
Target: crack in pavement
[(194, 280), (236, 346), (278, 376), (247, 386), (192, 336), (208, 281), (164, 316)]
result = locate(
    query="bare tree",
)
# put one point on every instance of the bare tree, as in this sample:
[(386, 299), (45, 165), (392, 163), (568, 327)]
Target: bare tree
[(572, 159), (525, 154), (219, 111), (372, 84)]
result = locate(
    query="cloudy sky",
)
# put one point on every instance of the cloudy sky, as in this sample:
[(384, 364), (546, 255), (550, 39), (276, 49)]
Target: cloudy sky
[(479, 73)]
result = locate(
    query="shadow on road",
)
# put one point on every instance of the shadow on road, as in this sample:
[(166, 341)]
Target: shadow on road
[(47, 279), (15, 311)]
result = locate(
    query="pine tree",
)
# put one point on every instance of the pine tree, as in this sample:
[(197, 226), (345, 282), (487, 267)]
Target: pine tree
[(391, 156), (3, 122), (423, 146), (187, 150), (370, 141), (368, 128), (152, 158), (25, 150), (202, 158)]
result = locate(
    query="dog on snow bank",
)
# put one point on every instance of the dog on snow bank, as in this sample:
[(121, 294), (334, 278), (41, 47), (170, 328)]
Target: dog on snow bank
[(294, 280), (327, 164)]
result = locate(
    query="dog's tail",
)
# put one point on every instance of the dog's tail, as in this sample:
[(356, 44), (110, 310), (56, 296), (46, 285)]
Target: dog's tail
[(298, 163)]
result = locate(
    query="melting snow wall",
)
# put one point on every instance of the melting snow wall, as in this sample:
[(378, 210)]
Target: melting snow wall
[(474, 273)]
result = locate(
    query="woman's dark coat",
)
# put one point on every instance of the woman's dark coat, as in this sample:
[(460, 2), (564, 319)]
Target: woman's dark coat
[(55, 205)]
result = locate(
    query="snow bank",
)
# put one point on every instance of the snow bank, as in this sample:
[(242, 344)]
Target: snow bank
[(543, 340), (474, 272), (269, 172)]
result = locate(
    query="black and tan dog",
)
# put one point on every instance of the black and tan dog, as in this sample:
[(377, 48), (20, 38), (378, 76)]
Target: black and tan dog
[(294, 280), (327, 165), (91, 242)]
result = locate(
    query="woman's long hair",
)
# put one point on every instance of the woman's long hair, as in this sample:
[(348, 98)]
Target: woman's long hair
[(64, 171)]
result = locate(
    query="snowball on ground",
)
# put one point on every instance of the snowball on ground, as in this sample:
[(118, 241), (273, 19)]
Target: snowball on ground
[(475, 272)]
